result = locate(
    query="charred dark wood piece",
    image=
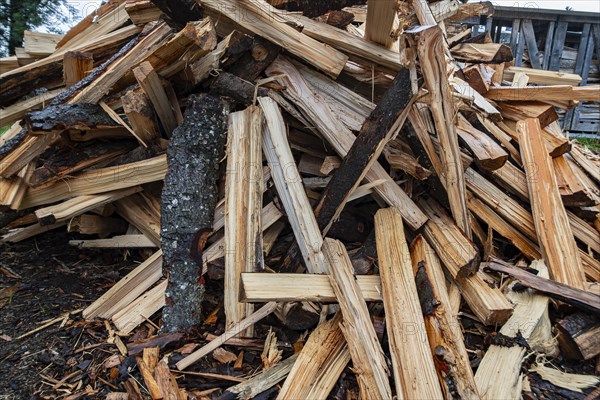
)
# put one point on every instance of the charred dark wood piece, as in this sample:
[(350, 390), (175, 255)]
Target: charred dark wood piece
[(58, 118), (253, 62), (238, 89), (179, 12), (188, 204)]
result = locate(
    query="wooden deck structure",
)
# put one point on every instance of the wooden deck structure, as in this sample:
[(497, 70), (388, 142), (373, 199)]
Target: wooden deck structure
[(554, 40)]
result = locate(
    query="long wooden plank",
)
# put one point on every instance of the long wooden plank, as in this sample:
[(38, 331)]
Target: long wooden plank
[(367, 355), (547, 93), (551, 223), (414, 372)]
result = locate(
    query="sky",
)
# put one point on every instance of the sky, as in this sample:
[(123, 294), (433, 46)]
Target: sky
[(577, 5)]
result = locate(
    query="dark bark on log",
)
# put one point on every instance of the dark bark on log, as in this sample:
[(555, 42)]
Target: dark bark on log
[(314, 8), (578, 336), (58, 118), (581, 299), (188, 205), (373, 131), (230, 85), (253, 62), (10, 144), (179, 12)]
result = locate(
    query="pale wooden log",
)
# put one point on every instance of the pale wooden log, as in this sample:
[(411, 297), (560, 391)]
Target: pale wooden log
[(589, 164), (488, 153), (140, 309), (101, 180), (147, 374), (231, 332), (12, 190), (259, 383), (494, 53), (167, 382), (443, 328), (476, 101), (152, 86), (140, 114), (100, 86), (142, 210), (517, 111), (408, 164), (131, 241), (20, 234), (262, 20), (25, 152), (76, 66), (433, 67), (502, 137), (88, 224), (551, 223), (542, 77), (547, 93), (572, 192), (414, 371), (142, 11), (243, 205), (367, 355), (127, 289), (320, 363), (317, 111), (290, 188), (499, 373), (79, 205), (263, 287)]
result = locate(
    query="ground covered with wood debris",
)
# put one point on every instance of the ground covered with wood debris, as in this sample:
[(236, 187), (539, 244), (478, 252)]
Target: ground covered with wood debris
[(229, 199)]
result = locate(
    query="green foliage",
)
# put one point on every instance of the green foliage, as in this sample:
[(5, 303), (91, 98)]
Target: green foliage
[(4, 129), (16, 16), (591, 143)]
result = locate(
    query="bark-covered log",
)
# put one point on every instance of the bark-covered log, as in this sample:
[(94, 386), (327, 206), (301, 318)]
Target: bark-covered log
[(57, 118), (188, 205), (365, 150), (253, 62)]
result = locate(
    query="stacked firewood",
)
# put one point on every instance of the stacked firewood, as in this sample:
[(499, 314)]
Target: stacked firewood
[(326, 161)]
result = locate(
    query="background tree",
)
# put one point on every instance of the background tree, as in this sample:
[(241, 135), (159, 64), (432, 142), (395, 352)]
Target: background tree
[(16, 16)]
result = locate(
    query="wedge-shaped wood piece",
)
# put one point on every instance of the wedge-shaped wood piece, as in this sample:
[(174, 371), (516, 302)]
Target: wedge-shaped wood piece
[(414, 372), (300, 92), (40, 44), (290, 188), (228, 334), (99, 181), (572, 192), (140, 309), (380, 20), (140, 114), (262, 287), (493, 53), (517, 111), (243, 206), (260, 18), (443, 328), (143, 211), (551, 223), (433, 67), (142, 11), (320, 363), (499, 373), (488, 154), (367, 355), (153, 87)]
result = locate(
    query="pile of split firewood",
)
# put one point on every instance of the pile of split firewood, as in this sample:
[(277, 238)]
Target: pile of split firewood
[(343, 164)]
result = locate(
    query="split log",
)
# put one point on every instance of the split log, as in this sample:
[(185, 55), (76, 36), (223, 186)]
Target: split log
[(187, 212), (571, 190), (12, 191), (18, 110), (581, 299), (140, 309), (131, 241), (140, 114), (312, 8), (261, 20), (578, 336), (57, 118), (262, 287), (488, 53), (551, 223), (517, 111), (383, 124), (545, 93), (433, 67), (76, 66), (167, 383), (443, 328), (488, 154), (380, 21), (254, 61), (153, 88), (499, 373), (143, 211), (367, 355), (320, 363), (542, 77), (414, 372), (141, 12), (243, 205)]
